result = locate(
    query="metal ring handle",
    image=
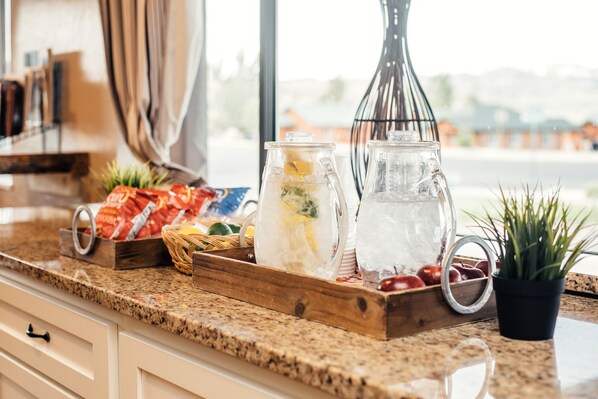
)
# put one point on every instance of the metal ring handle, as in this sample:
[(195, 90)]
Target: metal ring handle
[(446, 267), (92, 240)]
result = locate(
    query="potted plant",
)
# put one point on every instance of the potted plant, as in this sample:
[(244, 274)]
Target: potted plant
[(133, 175), (537, 241)]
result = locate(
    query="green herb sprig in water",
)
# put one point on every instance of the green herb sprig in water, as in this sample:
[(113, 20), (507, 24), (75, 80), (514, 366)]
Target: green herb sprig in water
[(534, 235), (300, 200)]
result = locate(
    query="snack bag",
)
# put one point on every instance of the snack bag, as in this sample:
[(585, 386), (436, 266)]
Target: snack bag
[(158, 217), (180, 204), (194, 200), (227, 200), (124, 212), (129, 213)]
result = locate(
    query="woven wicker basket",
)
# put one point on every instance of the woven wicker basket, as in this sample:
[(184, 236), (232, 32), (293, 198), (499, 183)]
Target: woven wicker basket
[(182, 246)]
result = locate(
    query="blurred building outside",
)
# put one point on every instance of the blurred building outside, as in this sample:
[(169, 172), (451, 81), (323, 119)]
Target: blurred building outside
[(478, 125)]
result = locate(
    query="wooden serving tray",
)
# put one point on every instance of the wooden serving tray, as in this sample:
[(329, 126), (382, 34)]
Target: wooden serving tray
[(382, 315), (117, 255)]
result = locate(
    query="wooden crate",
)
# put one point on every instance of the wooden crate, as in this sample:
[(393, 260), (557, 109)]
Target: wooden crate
[(355, 308), (117, 255)]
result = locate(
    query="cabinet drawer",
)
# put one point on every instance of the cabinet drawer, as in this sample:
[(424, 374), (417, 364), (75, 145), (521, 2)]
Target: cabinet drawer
[(149, 370), (81, 349), (18, 381)]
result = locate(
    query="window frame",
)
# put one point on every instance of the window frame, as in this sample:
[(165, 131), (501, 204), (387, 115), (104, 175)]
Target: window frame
[(268, 78)]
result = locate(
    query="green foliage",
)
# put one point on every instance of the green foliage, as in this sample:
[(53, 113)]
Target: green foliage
[(473, 100), (336, 90), (233, 96), (465, 138), (441, 91), (133, 175), (535, 235), (592, 191)]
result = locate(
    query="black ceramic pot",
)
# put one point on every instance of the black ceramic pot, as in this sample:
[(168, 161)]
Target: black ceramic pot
[(527, 310)]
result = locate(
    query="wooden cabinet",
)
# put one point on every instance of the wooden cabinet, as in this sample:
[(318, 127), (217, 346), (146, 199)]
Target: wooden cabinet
[(18, 381), (149, 370), (79, 351), (156, 364), (95, 353)]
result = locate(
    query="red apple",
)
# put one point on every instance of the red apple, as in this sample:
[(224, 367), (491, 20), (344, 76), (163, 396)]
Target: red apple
[(483, 266), (467, 272), (463, 265), (430, 274), (399, 283)]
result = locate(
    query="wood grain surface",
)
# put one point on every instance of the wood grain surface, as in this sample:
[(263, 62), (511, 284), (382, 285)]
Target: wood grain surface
[(355, 308), (117, 255)]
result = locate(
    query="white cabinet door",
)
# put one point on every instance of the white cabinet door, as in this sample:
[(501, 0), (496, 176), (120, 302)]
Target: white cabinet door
[(18, 381), (81, 351), (149, 370)]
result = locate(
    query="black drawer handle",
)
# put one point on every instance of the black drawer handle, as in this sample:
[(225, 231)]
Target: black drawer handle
[(31, 334)]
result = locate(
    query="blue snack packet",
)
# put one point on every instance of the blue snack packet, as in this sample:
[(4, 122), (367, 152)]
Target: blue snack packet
[(227, 200)]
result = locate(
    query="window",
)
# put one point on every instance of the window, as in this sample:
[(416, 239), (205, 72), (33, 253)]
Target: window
[(232, 50), (492, 138), (542, 98), (486, 81), (505, 100), (325, 65), (516, 139), (548, 139), (4, 36)]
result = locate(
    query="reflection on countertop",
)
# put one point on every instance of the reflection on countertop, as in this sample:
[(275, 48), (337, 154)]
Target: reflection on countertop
[(28, 214), (467, 361)]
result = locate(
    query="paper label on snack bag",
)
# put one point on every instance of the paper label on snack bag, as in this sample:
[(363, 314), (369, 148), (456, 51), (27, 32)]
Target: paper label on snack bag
[(227, 200), (178, 217), (139, 221)]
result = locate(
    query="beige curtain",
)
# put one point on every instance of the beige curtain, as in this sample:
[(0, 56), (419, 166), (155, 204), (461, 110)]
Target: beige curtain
[(153, 51)]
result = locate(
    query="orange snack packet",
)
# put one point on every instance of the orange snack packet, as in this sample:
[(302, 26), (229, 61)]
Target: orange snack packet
[(123, 213), (180, 204), (129, 213)]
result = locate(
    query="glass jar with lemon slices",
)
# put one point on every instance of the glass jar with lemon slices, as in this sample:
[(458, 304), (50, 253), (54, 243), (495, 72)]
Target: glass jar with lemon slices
[(301, 221)]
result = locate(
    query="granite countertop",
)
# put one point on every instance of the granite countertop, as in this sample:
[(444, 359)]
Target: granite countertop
[(461, 361)]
